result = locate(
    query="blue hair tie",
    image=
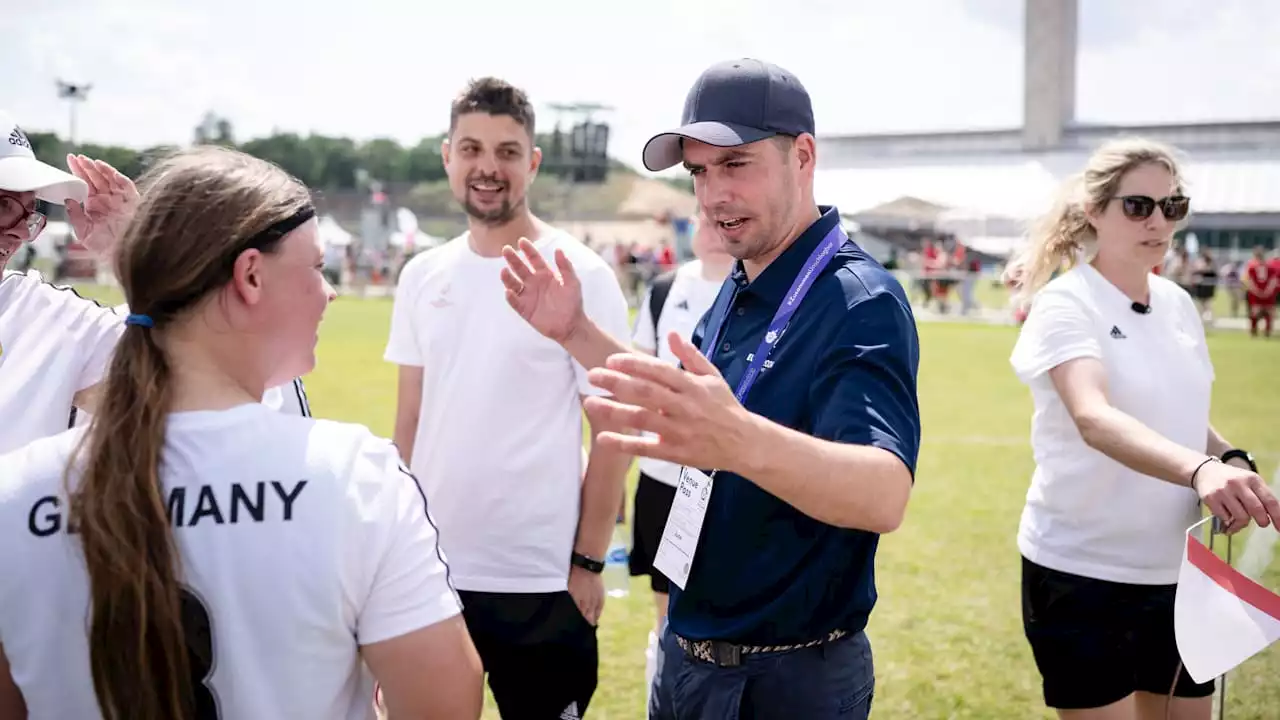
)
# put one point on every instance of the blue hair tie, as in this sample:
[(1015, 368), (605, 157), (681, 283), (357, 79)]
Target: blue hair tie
[(140, 320)]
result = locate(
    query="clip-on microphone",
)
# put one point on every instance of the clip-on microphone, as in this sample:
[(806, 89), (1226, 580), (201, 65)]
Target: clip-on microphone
[(1140, 308)]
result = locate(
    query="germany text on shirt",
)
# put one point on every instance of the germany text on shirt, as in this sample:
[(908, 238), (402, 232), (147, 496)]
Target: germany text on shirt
[(300, 540)]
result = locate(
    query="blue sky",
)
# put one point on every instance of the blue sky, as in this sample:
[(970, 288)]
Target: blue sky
[(390, 67)]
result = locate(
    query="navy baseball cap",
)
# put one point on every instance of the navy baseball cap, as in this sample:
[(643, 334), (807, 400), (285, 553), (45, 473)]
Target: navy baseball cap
[(735, 102)]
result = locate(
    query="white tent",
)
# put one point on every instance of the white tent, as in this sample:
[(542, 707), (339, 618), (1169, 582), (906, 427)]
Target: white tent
[(987, 233), (409, 235), (332, 234)]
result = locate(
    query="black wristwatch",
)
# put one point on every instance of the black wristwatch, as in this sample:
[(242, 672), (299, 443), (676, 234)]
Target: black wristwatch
[(1237, 453), (586, 563)]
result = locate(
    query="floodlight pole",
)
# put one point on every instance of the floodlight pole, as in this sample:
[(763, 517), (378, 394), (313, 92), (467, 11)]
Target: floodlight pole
[(74, 94)]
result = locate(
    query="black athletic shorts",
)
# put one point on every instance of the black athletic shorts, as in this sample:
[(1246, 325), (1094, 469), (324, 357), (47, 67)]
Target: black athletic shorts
[(539, 651), (649, 518), (1096, 642)]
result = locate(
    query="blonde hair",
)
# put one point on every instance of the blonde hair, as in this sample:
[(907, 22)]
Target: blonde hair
[(1059, 237)]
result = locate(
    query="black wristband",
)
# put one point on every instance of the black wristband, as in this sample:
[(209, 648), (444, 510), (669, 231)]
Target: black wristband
[(1237, 453), (586, 563), (1197, 471)]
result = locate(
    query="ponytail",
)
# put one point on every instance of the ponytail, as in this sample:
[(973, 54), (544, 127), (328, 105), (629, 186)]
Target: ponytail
[(198, 211), (137, 651), (1056, 240)]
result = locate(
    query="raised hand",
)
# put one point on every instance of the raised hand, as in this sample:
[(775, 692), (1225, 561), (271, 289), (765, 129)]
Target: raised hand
[(692, 410), (100, 222), (549, 299)]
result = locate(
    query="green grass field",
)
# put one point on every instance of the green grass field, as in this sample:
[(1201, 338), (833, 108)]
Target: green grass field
[(947, 631)]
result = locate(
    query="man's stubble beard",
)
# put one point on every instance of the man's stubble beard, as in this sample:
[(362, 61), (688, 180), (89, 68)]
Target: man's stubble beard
[(494, 218)]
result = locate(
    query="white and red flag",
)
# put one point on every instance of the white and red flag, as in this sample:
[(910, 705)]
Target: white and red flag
[(1221, 616)]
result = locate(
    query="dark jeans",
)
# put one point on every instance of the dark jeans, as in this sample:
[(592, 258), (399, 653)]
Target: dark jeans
[(835, 680)]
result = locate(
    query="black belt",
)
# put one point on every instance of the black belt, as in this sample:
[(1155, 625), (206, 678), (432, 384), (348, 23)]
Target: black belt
[(727, 654)]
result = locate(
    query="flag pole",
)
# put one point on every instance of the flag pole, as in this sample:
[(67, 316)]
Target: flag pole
[(1222, 702), (1220, 692)]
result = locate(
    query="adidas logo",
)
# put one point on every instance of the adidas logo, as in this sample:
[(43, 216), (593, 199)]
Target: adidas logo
[(17, 137), (571, 712), (1115, 333), (683, 305)]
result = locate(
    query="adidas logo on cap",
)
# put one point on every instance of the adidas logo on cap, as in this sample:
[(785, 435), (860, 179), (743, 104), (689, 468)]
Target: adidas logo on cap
[(19, 138), (21, 171), (13, 141)]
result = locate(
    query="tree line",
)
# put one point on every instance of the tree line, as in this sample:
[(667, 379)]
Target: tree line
[(322, 162)]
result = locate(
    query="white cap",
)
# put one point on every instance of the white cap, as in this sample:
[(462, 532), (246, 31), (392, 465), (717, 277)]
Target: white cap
[(20, 171)]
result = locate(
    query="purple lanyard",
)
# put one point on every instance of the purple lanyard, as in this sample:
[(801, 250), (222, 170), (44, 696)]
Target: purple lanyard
[(813, 267)]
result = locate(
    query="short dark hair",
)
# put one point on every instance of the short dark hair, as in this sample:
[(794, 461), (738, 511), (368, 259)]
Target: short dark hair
[(496, 97)]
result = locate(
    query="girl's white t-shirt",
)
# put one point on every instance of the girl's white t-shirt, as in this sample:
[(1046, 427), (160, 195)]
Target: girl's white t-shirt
[(301, 540), (1085, 513)]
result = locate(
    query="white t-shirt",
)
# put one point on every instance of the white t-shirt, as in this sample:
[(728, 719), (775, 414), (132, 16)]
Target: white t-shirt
[(290, 399), (53, 344), (301, 538), (1085, 513), (689, 298), (499, 441)]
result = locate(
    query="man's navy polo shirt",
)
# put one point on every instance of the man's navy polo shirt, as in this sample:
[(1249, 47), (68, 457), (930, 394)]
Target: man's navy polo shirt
[(845, 370)]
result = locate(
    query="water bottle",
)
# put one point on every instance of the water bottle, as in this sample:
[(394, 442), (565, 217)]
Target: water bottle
[(617, 574)]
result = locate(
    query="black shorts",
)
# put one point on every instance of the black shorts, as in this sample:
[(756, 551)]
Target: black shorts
[(1095, 642), (539, 651), (648, 520)]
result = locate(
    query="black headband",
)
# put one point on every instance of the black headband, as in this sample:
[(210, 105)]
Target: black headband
[(257, 241), (278, 230), (272, 233)]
